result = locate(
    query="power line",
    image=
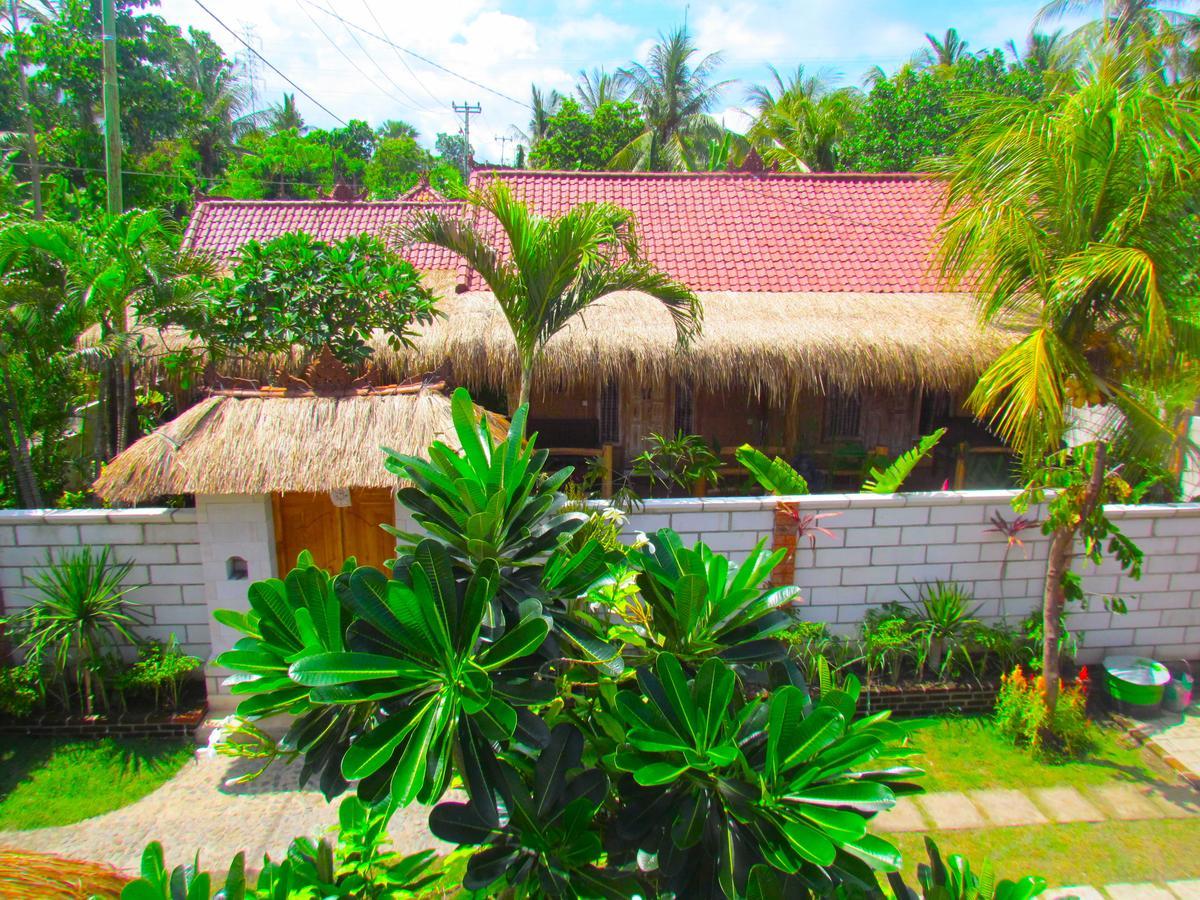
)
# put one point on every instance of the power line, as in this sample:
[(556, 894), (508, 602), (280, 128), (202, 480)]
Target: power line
[(403, 61), (271, 66), (414, 54), (384, 72), (346, 56)]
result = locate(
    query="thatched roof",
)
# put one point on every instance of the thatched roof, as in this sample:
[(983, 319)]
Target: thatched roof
[(784, 342), (263, 444), (787, 342)]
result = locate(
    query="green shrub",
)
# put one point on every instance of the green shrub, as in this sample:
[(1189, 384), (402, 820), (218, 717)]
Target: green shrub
[(944, 618), (21, 689), (158, 672), (678, 464)]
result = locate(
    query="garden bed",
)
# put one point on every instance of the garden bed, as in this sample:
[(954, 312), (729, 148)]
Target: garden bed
[(932, 699), (181, 723)]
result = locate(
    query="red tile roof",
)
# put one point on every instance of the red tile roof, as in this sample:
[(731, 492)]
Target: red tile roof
[(713, 231), (220, 226), (764, 232)]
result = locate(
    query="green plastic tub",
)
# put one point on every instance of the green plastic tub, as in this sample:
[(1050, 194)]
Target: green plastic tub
[(1136, 680)]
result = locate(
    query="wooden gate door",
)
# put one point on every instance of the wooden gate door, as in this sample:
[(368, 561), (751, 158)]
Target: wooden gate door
[(311, 522)]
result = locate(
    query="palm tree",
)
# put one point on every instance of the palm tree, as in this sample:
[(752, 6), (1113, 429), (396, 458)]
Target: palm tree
[(554, 267), (1065, 218), (598, 88), (1053, 52), (395, 128), (1163, 39), (113, 270), (945, 51), (285, 116), (223, 96), (675, 92), (801, 121), (543, 107)]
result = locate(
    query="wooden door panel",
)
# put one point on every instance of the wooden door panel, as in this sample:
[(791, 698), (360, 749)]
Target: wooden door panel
[(361, 535), (310, 521), (307, 522)]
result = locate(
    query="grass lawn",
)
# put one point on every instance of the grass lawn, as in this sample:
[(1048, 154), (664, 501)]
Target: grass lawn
[(45, 782), (1084, 853), (966, 753)]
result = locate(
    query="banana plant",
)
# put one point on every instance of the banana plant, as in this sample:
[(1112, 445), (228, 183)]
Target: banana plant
[(435, 678), (718, 785), (890, 480), (546, 844), (775, 476), (489, 501), (289, 618), (699, 604)]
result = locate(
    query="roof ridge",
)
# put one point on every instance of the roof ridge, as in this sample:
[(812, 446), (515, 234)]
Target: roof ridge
[(733, 176), (229, 201)]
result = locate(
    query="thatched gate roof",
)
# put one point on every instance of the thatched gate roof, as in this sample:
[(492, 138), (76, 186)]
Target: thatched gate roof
[(241, 444)]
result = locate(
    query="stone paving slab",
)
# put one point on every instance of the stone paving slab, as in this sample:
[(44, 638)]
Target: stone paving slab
[(1124, 801), (904, 816), (1066, 804), (949, 810), (1141, 891), (1185, 890), (195, 810), (1007, 807), (1083, 892), (1176, 804)]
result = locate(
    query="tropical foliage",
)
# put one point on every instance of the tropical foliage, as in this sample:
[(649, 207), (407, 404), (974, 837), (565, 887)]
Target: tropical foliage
[(554, 267), (297, 292), (79, 615), (593, 766)]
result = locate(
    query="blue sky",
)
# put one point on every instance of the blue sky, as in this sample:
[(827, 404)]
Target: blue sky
[(505, 46)]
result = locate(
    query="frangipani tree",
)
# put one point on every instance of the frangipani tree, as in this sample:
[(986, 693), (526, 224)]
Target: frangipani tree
[(552, 268)]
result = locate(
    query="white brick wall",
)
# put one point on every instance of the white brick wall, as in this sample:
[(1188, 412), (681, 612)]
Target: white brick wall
[(884, 546), (163, 545)]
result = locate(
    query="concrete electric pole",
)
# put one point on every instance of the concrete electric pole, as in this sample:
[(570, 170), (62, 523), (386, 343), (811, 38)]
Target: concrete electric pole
[(466, 110)]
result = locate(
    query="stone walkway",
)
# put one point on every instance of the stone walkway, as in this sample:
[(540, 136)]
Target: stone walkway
[(196, 811), (1168, 890), (1174, 737), (952, 810)]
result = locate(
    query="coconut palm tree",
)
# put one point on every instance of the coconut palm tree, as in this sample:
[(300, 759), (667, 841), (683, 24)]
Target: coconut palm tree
[(801, 121), (552, 268), (1052, 52), (285, 115), (598, 88), (1066, 218), (1163, 39), (944, 51), (113, 270), (223, 116), (675, 91), (543, 106)]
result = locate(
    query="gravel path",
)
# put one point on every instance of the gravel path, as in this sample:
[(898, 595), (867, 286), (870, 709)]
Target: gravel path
[(195, 810)]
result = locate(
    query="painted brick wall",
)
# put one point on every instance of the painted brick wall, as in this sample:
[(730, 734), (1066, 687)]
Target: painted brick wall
[(162, 544), (884, 546)]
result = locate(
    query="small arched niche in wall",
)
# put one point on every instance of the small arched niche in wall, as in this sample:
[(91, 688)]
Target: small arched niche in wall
[(237, 569)]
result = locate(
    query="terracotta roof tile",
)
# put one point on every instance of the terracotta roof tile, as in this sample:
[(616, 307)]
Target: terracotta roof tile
[(713, 231), (220, 226), (764, 232)]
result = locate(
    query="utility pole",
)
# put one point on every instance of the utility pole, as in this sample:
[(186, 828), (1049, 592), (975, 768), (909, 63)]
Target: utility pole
[(112, 117), (503, 139), (466, 110), (31, 148)]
